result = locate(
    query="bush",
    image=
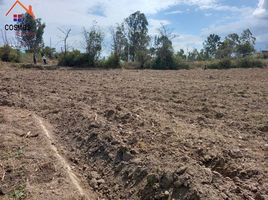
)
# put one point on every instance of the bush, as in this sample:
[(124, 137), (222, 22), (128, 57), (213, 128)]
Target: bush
[(239, 63), (72, 59), (169, 63), (181, 63), (8, 54), (49, 52), (249, 63), (112, 61), (78, 59), (165, 63), (222, 64)]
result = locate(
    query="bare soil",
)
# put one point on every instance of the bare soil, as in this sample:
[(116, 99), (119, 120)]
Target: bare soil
[(31, 165), (149, 134)]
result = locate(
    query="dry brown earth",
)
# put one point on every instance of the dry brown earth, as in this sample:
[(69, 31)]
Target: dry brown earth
[(150, 134)]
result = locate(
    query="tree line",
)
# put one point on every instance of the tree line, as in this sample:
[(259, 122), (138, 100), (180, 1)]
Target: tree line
[(233, 46), (131, 43)]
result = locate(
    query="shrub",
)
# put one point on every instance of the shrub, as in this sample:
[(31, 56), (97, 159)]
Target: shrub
[(8, 54), (239, 63), (49, 52), (112, 61), (213, 65), (181, 63), (222, 64), (74, 58), (169, 63), (225, 64), (249, 63), (166, 62)]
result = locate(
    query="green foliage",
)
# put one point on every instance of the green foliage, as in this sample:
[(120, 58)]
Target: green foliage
[(72, 59), (233, 46), (211, 45), (166, 62), (8, 54), (94, 39), (49, 52), (181, 63), (164, 51), (143, 58), (32, 38), (222, 64), (138, 39), (247, 42), (19, 193), (226, 63), (249, 63), (181, 55), (193, 55), (120, 42), (77, 59), (112, 61), (229, 46)]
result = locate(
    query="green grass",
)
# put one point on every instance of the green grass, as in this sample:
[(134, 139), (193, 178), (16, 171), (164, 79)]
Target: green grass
[(19, 193), (19, 152)]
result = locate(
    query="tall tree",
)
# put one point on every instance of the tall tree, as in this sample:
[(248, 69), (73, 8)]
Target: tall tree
[(138, 38), (228, 47), (211, 45), (120, 43), (247, 43), (94, 39), (31, 37), (164, 50)]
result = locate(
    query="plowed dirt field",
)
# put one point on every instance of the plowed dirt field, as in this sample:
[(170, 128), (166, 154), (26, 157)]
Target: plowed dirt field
[(126, 134)]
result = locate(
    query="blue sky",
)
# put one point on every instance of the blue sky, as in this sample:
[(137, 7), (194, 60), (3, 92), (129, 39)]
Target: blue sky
[(191, 20)]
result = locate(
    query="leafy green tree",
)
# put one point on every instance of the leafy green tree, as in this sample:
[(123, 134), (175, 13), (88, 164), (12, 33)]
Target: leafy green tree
[(164, 50), (120, 42), (211, 45), (138, 39), (247, 43), (181, 54), (32, 37), (193, 55), (228, 48), (94, 39)]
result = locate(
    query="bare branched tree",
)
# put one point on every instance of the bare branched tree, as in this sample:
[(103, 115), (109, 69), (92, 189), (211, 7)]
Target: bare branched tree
[(167, 32), (65, 38)]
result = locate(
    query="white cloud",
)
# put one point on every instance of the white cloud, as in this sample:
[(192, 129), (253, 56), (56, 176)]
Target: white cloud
[(262, 10), (187, 42), (174, 12), (256, 20)]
